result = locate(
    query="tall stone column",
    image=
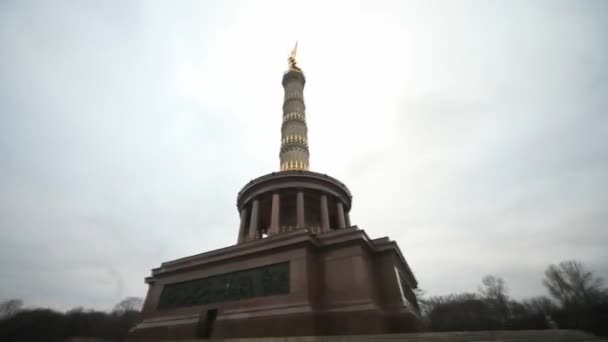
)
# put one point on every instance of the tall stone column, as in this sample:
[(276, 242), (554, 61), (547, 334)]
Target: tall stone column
[(340, 214), (324, 214), (294, 153), (300, 209), (347, 218), (242, 228), (274, 214), (253, 224)]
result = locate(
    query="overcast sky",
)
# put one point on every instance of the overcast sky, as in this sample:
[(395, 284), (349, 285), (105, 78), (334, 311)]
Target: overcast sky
[(474, 133)]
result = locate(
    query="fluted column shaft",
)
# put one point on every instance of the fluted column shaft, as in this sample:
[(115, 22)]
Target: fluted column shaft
[(253, 224), (300, 209), (324, 214), (294, 153), (274, 214), (242, 228), (340, 214)]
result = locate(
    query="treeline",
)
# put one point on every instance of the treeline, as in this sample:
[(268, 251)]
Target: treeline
[(577, 300), (41, 324)]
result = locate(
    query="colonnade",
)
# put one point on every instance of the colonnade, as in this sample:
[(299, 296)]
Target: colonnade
[(250, 227)]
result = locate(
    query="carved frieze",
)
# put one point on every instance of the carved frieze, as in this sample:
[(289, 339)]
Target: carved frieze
[(256, 282)]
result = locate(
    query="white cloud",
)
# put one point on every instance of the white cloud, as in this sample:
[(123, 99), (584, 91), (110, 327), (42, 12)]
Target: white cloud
[(470, 132)]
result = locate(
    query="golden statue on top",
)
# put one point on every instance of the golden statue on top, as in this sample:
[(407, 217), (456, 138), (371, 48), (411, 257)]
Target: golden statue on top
[(292, 59)]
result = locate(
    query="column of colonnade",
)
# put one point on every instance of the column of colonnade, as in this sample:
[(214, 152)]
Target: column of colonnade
[(250, 216)]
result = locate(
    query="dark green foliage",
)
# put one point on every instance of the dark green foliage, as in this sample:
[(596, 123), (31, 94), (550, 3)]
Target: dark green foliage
[(462, 312), (50, 325), (593, 318), (34, 325)]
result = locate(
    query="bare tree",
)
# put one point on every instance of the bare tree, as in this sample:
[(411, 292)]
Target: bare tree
[(572, 284), (10, 307), (129, 304), (494, 289)]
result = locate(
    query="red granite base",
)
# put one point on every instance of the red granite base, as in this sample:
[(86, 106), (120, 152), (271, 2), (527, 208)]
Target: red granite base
[(340, 283)]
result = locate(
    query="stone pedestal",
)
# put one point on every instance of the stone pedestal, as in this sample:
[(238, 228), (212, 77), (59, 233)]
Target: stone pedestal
[(291, 284)]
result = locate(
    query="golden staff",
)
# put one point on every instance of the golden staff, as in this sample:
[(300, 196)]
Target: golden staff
[(292, 58)]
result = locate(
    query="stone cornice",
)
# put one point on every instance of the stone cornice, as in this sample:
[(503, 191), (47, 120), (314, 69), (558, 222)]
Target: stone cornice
[(273, 243), (294, 179)]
